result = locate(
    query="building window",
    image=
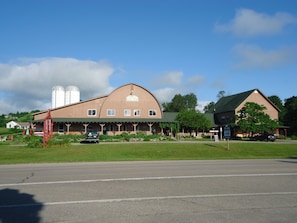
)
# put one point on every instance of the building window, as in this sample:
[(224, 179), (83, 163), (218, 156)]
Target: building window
[(61, 128), (152, 113), (92, 112), (127, 112), (136, 112), (111, 112)]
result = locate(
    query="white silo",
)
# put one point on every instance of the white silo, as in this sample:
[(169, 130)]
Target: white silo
[(72, 95), (58, 96)]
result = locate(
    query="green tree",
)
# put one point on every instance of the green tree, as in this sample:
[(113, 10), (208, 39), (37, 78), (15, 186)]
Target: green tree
[(174, 127), (252, 119), (191, 101), (2, 120), (193, 120), (290, 116), (221, 94), (180, 103), (209, 107), (26, 117), (278, 103)]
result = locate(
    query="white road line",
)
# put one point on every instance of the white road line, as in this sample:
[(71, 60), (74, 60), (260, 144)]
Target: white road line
[(145, 199), (148, 178)]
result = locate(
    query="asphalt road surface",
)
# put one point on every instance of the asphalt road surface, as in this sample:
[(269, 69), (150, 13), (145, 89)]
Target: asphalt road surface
[(161, 191)]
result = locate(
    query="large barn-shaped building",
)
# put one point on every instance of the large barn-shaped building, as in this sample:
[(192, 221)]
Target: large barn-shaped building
[(129, 108)]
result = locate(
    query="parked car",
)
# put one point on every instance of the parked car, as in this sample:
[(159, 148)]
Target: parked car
[(264, 137)]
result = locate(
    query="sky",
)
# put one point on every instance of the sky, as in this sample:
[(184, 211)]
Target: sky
[(168, 47)]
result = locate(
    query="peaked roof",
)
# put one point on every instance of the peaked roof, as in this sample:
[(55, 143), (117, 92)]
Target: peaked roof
[(230, 103)]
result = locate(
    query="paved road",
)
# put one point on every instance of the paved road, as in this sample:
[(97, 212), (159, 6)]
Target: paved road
[(161, 191)]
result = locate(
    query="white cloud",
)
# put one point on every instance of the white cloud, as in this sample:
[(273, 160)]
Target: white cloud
[(171, 78), (201, 105), (165, 94), (248, 23), (173, 84), (196, 80), (252, 56), (26, 84)]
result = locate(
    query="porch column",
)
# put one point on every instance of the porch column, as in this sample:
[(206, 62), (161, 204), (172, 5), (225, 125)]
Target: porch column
[(119, 126), (102, 126), (134, 126), (150, 127), (68, 127), (86, 127)]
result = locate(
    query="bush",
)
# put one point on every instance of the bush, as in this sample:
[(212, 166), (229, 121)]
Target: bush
[(19, 139), (107, 138), (70, 138), (54, 142), (33, 141), (126, 136)]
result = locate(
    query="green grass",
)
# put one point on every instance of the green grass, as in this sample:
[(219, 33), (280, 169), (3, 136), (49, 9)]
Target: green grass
[(12, 154)]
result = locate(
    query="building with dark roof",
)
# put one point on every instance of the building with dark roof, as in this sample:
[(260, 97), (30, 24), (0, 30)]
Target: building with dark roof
[(227, 107)]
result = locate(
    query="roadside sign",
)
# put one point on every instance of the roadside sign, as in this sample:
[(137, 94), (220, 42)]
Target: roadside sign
[(227, 132), (227, 135)]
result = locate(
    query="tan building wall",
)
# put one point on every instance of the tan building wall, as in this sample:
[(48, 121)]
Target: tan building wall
[(258, 98), (131, 101), (78, 110)]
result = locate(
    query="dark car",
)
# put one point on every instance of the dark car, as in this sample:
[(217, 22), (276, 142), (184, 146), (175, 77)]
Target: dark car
[(264, 137)]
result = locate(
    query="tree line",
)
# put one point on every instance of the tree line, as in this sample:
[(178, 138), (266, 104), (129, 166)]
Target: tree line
[(18, 117)]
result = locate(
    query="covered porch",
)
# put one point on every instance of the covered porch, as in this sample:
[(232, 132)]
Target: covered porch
[(110, 127)]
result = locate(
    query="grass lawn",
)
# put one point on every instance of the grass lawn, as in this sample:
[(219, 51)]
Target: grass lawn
[(12, 154)]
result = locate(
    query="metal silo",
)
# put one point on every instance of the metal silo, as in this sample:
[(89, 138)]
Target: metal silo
[(72, 95), (58, 96)]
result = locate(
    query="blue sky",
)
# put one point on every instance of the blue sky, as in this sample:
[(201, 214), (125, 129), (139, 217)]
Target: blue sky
[(169, 47)]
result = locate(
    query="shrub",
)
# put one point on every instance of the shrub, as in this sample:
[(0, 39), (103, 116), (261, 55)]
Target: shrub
[(33, 141), (125, 136), (54, 142), (70, 138)]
